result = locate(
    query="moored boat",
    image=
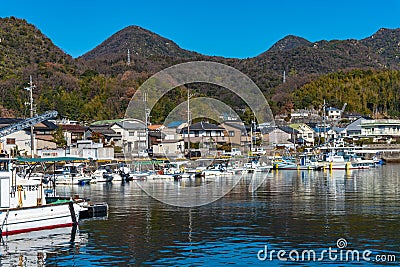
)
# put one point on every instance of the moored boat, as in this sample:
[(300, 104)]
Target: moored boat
[(23, 205)]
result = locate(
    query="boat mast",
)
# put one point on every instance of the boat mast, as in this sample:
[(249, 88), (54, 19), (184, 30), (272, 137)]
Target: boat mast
[(251, 137), (30, 89), (253, 121)]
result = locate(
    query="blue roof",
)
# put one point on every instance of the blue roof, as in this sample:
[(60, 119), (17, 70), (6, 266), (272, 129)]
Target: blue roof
[(338, 129), (174, 124), (321, 129), (332, 109)]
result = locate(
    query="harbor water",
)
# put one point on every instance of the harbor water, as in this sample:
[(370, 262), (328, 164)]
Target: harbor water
[(337, 215)]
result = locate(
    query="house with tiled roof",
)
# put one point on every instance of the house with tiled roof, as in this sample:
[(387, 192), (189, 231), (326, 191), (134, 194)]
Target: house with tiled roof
[(104, 134), (236, 132), (21, 140), (205, 133), (134, 136), (73, 132)]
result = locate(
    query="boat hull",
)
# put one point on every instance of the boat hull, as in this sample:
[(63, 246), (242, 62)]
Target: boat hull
[(29, 219)]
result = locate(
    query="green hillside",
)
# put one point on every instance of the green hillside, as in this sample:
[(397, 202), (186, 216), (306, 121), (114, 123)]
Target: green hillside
[(366, 91), (99, 85)]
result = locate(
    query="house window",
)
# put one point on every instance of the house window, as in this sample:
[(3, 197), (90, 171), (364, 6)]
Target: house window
[(231, 133), (10, 141), (131, 133)]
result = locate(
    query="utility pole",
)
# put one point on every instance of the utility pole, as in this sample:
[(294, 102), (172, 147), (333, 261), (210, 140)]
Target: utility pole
[(147, 117), (30, 89), (284, 76), (323, 117), (188, 120)]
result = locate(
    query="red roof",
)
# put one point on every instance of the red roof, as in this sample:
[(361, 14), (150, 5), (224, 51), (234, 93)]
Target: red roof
[(154, 127)]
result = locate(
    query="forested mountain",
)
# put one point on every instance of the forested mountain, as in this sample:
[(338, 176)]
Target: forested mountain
[(99, 84), (375, 92), (140, 42)]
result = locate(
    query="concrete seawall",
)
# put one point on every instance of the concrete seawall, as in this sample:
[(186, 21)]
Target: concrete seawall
[(391, 156)]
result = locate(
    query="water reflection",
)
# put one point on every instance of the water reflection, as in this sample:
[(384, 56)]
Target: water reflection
[(33, 249), (291, 210)]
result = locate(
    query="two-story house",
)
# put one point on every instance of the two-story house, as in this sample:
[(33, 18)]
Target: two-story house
[(305, 134), (21, 140), (73, 132), (281, 135), (134, 135), (204, 133), (236, 133)]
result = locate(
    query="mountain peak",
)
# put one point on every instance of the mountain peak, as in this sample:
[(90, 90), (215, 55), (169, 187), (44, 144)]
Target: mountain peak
[(140, 42), (289, 42), (385, 42)]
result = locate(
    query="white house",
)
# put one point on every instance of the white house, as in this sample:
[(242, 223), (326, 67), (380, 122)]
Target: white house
[(88, 149), (169, 148), (380, 128), (334, 114), (134, 135), (20, 140), (306, 133)]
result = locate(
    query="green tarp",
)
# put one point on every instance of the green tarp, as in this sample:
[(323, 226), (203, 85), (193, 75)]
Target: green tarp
[(55, 159)]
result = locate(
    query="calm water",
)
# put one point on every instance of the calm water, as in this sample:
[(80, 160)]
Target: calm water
[(291, 211)]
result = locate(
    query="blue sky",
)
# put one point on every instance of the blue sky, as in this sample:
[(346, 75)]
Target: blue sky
[(224, 28)]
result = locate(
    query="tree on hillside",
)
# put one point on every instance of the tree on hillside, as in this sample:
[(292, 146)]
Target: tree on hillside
[(59, 138)]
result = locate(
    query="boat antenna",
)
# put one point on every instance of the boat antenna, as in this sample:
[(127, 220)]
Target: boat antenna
[(30, 89)]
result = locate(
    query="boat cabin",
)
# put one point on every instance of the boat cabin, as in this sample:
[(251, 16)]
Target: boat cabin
[(16, 192)]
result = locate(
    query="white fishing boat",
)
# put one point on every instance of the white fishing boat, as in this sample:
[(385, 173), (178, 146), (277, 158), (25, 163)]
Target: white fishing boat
[(191, 173), (104, 173), (218, 169), (339, 163), (136, 175), (169, 170), (115, 172), (69, 174), (156, 176), (23, 205)]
